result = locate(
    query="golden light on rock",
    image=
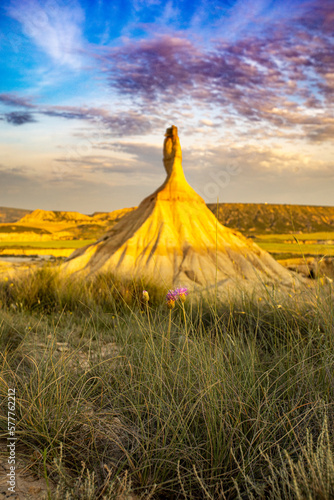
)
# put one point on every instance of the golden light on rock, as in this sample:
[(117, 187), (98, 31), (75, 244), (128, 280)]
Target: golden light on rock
[(172, 238)]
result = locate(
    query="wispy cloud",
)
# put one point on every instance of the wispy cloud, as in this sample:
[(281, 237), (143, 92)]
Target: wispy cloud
[(282, 76), (120, 123), (54, 26), (20, 189), (19, 118), (117, 124), (237, 172), (15, 100)]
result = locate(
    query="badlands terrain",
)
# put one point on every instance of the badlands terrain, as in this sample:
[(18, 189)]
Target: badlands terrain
[(299, 236), (129, 394)]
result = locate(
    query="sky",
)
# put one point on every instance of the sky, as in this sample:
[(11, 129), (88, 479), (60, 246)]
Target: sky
[(88, 88)]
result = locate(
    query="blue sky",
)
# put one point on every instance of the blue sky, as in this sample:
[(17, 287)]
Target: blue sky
[(88, 88)]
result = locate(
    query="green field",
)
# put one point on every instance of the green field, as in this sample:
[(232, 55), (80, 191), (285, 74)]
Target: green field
[(46, 244), (293, 237), (273, 243), (280, 244), (296, 249)]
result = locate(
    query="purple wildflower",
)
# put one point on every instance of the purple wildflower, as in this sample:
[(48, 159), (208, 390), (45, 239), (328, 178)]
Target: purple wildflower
[(182, 293), (172, 295), (171, 298)]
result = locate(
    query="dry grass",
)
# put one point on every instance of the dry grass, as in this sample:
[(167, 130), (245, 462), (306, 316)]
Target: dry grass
[(237, 402)]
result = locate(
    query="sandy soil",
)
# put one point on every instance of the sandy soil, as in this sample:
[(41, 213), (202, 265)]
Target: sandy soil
[(28, 485)]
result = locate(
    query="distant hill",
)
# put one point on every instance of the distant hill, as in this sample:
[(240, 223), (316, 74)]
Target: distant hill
[(42, 216), (115, 215), (248, 218), (12, 214), (262, 218), (55, 216)]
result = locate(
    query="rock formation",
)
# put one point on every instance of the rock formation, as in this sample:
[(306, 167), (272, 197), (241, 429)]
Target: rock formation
[(172, 238)]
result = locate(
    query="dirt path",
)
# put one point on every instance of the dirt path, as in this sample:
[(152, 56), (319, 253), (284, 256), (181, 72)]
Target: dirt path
[(27, 485)]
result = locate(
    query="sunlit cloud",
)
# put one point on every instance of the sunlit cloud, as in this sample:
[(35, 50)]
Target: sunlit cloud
[(249, 84), (275, 76)]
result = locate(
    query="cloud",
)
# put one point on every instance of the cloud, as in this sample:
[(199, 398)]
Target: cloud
[(54, 26), (256, 159), (95, 164), (120, 123), (22, 188), (253, 173), (281, 76), (321, 133), (145, 154), (136, 163), (317, 16), (19, 118), (152, 68), (15, 100), (128, 123)]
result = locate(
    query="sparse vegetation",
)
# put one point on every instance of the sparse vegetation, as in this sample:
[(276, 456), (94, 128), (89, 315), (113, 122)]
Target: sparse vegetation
[(236, 404), (267, 218), (16, 228)]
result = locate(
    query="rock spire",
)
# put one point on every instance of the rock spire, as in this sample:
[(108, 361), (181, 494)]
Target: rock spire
[(172, 238)]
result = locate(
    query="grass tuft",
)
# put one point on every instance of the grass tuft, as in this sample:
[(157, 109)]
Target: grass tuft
[(120, 399)]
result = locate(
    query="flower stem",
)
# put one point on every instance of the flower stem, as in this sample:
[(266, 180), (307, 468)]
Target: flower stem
[(148, 317), (185, 321), (169, 325)]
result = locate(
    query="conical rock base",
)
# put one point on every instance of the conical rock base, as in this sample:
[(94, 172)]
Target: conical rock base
[(172, 238)]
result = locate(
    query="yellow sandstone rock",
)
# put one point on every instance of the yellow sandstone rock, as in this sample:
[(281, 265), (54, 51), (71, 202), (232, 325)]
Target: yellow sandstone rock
[(172, 238)]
